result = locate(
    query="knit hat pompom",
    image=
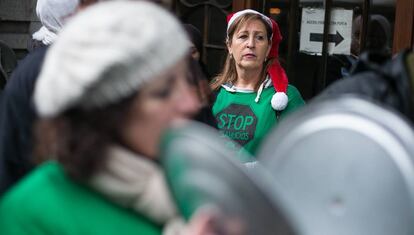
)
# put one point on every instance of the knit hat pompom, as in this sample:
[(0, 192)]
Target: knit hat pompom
[(105, 53), (277, 73)]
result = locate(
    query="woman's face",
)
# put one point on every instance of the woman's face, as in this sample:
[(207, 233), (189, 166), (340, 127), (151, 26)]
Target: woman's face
[(250, 45), (159, 103)]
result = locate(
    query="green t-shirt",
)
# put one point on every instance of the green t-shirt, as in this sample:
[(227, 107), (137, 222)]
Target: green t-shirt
[(246, 122), (48, 202)]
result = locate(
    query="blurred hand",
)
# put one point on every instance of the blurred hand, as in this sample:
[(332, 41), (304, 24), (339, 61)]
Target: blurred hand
[(201, 224), (208, 221)]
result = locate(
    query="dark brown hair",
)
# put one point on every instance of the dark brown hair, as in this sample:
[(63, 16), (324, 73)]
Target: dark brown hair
[(79, 138)]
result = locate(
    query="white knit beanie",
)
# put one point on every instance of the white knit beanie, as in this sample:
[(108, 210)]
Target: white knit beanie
[(105, 53)]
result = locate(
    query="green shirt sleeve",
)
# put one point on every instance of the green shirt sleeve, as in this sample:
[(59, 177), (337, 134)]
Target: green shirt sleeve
[(295, 101)]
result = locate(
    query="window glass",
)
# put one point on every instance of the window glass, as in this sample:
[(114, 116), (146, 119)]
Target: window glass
[(301, 23)]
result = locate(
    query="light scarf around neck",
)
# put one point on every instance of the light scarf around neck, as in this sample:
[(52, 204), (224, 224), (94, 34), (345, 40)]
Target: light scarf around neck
[(136, 182)]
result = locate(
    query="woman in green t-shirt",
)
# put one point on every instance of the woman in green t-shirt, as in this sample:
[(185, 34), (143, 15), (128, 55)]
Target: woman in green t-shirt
[(252, 90), (110, 85)]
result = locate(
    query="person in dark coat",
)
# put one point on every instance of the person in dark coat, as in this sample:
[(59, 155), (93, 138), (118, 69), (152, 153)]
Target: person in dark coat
[(17, 114), (197, 47), (198, 81), (387, 82), (378, 40), (199, 77)]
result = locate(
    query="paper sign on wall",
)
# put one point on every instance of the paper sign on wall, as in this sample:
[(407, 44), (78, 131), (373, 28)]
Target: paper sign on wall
[(340, 31)]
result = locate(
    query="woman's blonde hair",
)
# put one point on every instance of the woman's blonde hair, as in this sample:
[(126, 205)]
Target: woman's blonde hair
[(229, 73)]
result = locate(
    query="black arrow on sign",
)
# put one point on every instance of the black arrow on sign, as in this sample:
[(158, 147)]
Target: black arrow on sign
[(334, 38)]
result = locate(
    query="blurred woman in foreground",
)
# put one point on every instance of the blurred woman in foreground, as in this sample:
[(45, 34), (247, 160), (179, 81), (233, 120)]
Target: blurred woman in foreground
[(110, 85)]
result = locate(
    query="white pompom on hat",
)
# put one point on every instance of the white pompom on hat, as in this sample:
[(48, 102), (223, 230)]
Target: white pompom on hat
[(105, 54), (277, 73)]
